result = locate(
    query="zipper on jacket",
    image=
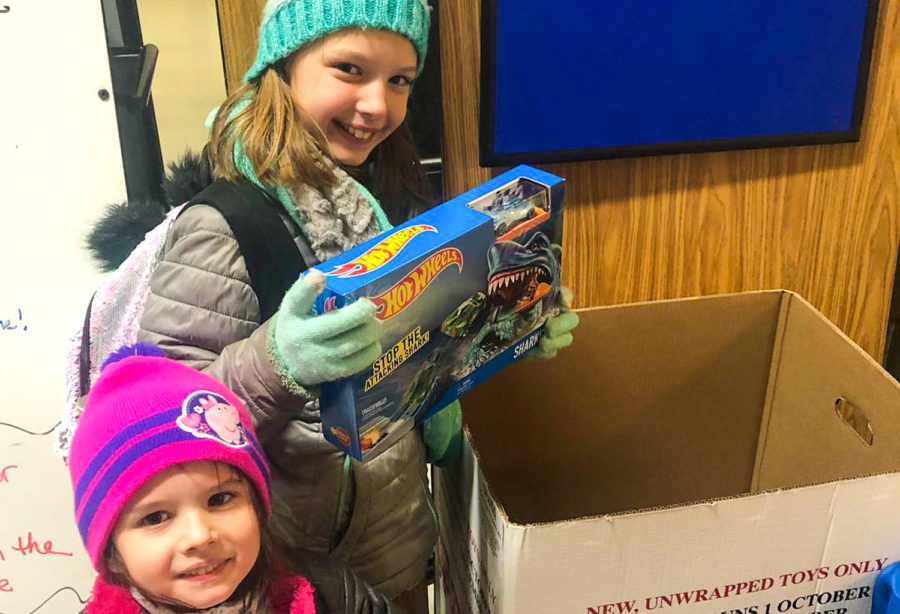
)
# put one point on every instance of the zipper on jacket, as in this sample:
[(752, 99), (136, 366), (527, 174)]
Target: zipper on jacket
[(429, 499)]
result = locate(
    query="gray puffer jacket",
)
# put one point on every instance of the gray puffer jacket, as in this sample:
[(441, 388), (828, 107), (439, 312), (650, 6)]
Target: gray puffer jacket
[(376, 517)]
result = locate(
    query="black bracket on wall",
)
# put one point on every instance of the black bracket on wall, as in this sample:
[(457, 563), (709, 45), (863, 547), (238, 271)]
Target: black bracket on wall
[(132, 65)]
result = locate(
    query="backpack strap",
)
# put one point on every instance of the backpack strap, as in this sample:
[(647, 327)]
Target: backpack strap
[(273, 259), (84, 355)]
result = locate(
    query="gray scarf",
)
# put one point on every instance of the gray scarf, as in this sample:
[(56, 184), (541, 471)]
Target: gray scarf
[(337, 219)]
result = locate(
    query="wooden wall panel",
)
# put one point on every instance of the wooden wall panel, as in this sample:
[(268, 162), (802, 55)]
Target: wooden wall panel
[(238, 24), (821, 220)]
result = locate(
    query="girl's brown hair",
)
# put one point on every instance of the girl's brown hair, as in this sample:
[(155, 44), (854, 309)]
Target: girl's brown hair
[(286, 148), (396, 176)]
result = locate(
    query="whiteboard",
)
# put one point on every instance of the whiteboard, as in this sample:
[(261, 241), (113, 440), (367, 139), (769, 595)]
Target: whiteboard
[(60, 163)]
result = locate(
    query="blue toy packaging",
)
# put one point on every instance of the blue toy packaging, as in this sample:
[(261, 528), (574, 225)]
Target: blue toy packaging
[(463, 290)]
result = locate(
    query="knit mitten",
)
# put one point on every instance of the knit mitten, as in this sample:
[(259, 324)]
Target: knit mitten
[(321, 348), (442, 433), (558, 329)]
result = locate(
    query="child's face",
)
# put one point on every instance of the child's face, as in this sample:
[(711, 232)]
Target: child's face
[(354, 85), (190, 534)]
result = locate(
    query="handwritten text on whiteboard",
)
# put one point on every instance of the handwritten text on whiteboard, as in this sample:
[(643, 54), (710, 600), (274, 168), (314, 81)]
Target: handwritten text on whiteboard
[(11, 324), (26, 545)]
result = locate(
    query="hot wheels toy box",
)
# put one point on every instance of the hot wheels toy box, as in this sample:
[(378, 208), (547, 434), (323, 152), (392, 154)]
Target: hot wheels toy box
[(462, 290)]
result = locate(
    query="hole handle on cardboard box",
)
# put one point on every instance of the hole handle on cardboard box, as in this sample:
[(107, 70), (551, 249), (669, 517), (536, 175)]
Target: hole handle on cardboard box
[(854, 417)]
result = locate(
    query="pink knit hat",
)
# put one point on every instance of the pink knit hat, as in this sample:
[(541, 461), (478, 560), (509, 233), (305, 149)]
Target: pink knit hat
[(146, 413)]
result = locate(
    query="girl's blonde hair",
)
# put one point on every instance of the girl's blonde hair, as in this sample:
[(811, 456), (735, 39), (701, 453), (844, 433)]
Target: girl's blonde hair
[(275, 138)]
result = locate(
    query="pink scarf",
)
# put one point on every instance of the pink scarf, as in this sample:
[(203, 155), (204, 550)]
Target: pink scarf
[(289, 596)]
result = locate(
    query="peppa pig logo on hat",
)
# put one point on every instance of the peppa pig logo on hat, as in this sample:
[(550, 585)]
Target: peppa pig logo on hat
[(207, 414)]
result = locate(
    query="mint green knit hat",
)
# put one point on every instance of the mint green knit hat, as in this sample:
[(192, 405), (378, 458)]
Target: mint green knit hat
[(288, 24)]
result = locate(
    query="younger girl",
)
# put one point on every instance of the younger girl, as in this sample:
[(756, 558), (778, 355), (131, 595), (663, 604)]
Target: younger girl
[(172, 496), (320, 116)]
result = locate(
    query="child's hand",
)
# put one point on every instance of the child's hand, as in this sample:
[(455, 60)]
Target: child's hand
[(321, 348), (442, 433), (558, 329)]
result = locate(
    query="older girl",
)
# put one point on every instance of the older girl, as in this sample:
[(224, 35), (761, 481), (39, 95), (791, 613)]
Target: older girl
[(320, 125)]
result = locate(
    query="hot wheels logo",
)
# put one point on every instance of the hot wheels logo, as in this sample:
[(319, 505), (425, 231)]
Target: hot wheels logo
[(342, 436), (382, 253), (402, 294)]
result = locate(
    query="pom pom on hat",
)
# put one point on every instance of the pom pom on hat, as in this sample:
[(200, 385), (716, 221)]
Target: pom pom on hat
[(126, 351), (146, 413)]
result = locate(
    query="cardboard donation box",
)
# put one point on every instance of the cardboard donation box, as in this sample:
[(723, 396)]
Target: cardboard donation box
[(731, 454)]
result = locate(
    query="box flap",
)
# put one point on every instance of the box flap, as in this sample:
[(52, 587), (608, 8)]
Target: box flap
[(806, 440)]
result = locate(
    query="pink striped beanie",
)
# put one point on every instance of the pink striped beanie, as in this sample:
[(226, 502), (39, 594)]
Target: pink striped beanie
[(146, 413)]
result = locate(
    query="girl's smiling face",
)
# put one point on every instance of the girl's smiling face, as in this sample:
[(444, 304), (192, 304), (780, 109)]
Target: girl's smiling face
[(354, 85), (190, 535)]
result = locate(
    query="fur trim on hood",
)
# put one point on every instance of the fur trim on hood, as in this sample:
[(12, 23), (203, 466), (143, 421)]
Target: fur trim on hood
[(123, 225)]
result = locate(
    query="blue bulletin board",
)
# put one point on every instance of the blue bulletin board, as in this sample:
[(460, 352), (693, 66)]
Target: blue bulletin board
[(576, 80)]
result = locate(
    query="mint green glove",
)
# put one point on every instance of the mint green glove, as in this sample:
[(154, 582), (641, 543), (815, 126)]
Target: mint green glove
[(442, 434), (558, 329), (321, 348)]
